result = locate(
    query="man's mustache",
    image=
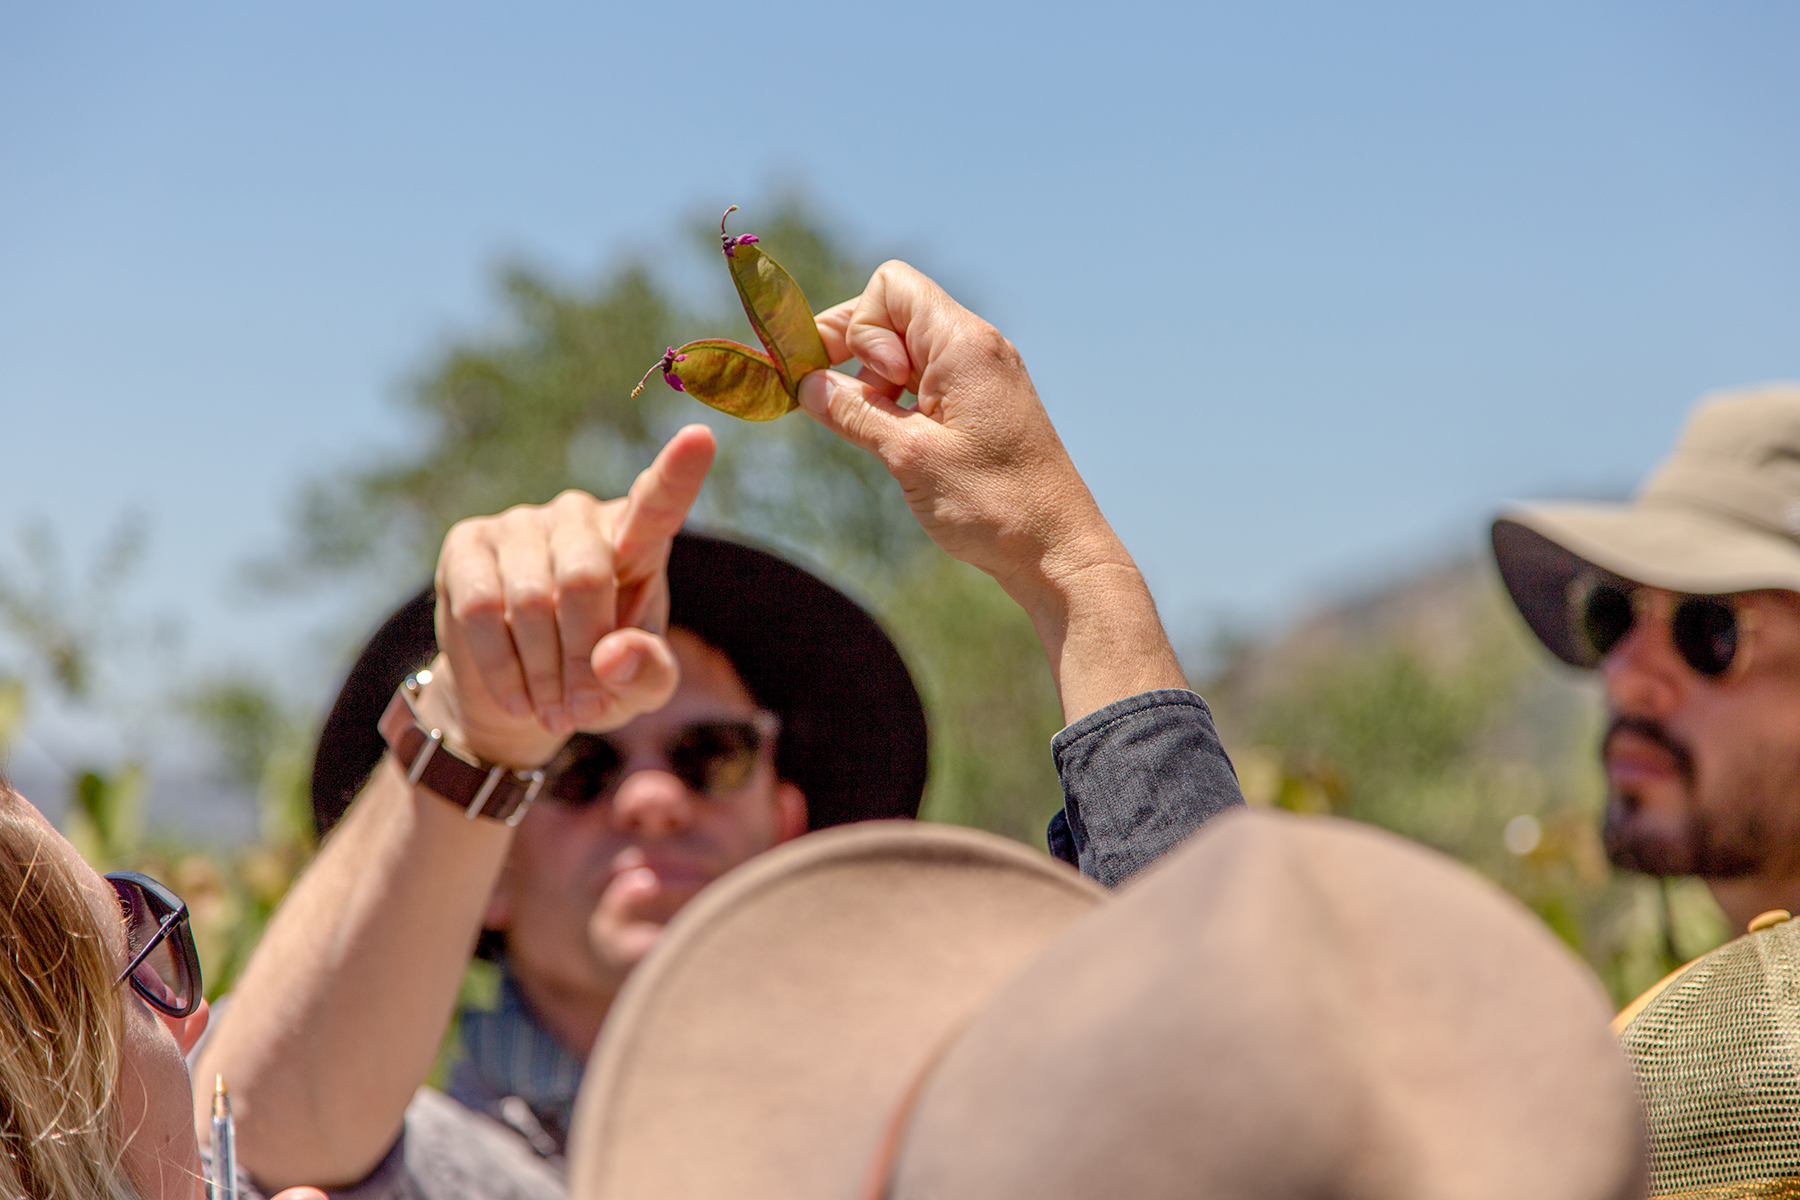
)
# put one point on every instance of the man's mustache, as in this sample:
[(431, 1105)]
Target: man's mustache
[(1653, 732)]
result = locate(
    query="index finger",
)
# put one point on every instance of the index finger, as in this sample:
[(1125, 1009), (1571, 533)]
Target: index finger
[(658, 503), (833, 323), (902, 323)]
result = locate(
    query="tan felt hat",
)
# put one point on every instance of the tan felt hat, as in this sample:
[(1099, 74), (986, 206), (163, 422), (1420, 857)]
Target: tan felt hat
[(1722, 514), (760, 1048), (1285, 1007)]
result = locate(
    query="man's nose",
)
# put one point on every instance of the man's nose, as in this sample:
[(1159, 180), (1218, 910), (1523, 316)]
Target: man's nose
[(1644, 674), (651, 802)]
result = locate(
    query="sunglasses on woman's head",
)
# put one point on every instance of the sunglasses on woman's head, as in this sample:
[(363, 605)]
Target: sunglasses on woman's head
[(1708, 631), (713, 758), (165, 966)]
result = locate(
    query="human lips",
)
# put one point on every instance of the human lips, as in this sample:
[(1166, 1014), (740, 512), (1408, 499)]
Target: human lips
[(676, 873), (1635, 757), (661, 871)]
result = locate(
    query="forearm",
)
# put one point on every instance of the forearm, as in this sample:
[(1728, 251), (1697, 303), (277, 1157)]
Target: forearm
[(341, 1010), (1097, 621), (1141, 763)]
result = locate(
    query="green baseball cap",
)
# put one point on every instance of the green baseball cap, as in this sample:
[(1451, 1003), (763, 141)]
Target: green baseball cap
[(1721, 514)]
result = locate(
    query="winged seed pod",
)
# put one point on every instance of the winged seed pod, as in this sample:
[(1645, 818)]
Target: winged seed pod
[(757, 385)]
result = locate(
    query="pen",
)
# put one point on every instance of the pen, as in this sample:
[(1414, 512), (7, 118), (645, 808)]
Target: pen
[(224, 1145)]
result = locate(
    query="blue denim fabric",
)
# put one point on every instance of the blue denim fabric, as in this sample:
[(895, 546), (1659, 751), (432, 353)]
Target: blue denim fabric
[(1138, 777)]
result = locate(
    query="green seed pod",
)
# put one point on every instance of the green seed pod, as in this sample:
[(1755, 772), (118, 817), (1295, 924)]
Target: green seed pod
[(776, 306), (730, 376), (733, 378)]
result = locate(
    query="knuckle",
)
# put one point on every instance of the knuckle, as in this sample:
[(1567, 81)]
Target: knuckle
[(905, 453), (582, 580), (517, 513), (573, 499), (463, 530), (477, 605), (530, 599), (988, 340)]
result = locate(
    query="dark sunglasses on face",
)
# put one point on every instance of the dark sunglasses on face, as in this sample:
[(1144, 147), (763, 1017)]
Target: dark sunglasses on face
[(1709, 632), (713, 758), (165, 966)]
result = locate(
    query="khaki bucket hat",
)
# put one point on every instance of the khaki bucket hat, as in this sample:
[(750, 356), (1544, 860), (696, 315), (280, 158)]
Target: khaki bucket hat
[(1722, 514), (1285, 1007)]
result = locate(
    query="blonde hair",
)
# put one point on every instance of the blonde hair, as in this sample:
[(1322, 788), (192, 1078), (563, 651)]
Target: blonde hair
[(63, 1025)]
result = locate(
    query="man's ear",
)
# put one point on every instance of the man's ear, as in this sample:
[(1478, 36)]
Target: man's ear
[(790, 812)]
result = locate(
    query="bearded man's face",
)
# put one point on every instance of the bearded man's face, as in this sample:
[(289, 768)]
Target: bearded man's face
[(1703, 774)]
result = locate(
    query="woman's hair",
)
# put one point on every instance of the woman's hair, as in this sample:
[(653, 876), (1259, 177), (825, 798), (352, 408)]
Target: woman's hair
[(63, 1025)]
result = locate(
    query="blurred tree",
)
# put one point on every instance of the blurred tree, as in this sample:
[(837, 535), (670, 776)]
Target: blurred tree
[(264, 749), (12, 711), (73, 640), (544, 404), (66, 626)]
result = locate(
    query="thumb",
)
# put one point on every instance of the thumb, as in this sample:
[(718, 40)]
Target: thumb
[(854, 411)]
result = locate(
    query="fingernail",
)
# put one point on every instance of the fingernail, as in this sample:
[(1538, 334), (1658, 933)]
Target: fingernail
[(815, 393), (887, 366), (519, 706), (626, 669), (555, 720)]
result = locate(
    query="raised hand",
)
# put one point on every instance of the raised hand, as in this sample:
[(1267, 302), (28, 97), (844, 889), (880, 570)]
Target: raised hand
[(978, 459), (986, 475), (550, 617)]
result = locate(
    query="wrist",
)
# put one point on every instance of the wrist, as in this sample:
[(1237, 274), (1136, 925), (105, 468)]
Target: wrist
[(433, 763), (521, 744), (1103, 637), (1076, 573)]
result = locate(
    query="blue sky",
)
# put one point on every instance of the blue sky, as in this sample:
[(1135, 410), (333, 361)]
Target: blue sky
[(1308, 289)]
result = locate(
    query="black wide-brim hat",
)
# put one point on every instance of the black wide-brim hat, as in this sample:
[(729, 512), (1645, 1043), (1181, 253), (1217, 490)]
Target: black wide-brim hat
[(853, 736)]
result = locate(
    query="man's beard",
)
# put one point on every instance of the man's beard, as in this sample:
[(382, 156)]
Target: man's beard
[(1696, 842)]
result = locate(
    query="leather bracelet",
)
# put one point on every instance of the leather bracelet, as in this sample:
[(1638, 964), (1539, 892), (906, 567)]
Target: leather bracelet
[(480, 789)]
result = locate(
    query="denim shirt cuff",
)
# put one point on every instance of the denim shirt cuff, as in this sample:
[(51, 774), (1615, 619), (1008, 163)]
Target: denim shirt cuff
[(1139, 776)]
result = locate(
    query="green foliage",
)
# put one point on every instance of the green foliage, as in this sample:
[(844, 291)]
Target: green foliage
[(106, 821), (992, 701), (12, 710), (70, 634), (66, 624), (1432, 713)]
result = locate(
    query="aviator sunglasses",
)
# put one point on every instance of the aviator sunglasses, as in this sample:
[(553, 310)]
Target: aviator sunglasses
[(1709, 632), (165, 966), (713, 758)]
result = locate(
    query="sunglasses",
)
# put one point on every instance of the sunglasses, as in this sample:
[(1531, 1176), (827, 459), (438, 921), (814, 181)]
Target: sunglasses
[(165, 966), (713, 758), (1709, 631)]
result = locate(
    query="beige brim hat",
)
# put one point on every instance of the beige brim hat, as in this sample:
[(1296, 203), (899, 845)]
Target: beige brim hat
[(1285, 1007), (1722, 514), (762, 1046)]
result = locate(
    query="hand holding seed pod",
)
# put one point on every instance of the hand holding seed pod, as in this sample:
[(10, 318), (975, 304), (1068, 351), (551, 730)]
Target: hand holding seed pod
[(757, 385)]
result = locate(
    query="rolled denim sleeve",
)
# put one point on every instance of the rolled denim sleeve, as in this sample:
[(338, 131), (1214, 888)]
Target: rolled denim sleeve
[(1138, 777)]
